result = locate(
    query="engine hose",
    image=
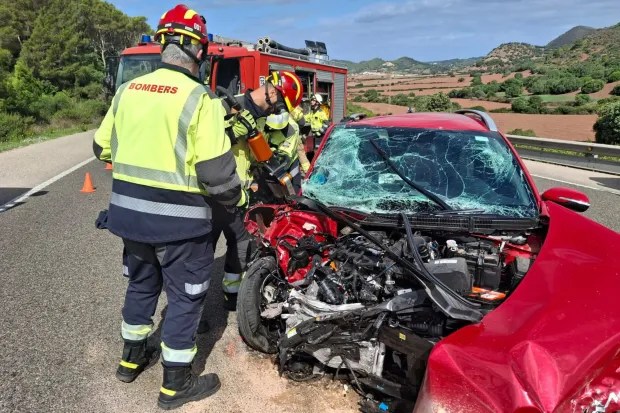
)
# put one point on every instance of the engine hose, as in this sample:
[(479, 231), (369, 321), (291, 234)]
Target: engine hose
[(425, 254), (411, 241), (435, 330), (359, 386)]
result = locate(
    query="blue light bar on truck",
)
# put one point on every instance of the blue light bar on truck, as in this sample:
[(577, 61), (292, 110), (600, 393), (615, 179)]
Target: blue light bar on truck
[(146, 39)]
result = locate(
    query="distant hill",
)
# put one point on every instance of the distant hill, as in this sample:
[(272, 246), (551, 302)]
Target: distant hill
[(570, 37), (601, 44), (456, 63), (579, 44), (406, 65), (509, 53), (402, 65)]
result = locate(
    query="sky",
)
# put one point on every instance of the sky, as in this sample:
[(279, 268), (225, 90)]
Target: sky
[(425, 30)]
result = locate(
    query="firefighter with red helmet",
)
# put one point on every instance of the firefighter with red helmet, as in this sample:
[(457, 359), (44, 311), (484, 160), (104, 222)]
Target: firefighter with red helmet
[(280, 94), (165, 135)]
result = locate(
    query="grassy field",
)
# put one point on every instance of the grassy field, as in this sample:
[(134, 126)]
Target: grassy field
[(556, 98)]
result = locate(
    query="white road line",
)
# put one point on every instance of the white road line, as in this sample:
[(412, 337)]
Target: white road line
[(613, 191), (37, 188)]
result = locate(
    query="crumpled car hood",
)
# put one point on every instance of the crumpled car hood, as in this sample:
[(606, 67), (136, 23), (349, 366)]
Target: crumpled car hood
[(553, 346)]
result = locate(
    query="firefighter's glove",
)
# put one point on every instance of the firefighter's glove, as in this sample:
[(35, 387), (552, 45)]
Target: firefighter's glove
[(243, 124)]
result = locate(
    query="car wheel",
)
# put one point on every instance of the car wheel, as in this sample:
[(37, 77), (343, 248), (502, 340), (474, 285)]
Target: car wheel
[(261, 287)]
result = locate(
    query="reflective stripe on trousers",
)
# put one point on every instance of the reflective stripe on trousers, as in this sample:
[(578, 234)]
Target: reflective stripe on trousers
[(160, 208), (231, 283), (178, 356), (135, 332), (179, 177)]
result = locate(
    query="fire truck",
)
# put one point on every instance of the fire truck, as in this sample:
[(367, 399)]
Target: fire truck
[(238, 66)]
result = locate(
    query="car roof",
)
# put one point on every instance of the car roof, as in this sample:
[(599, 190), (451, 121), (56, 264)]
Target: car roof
[(426, 120)]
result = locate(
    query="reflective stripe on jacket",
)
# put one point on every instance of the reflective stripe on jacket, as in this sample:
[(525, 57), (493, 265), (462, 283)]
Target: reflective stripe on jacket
[(164, 134)]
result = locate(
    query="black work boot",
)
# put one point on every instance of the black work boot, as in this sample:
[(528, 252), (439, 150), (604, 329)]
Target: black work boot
[(136, 357), (182, 386), (230, 301)]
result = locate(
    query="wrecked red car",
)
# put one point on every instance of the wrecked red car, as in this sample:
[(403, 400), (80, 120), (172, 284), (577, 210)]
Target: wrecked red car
[(422, 265)]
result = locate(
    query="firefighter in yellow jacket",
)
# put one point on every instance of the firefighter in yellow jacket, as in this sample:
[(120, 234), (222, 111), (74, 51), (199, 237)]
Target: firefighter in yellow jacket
[(317, 117), (297, 115), (281, 92), (282, 134), (164, 135)]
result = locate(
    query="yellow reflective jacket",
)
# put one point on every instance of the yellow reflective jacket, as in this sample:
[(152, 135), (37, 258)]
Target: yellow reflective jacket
[(158, 148), (283, 141), (316, 119), (164, 134), (243, 159)]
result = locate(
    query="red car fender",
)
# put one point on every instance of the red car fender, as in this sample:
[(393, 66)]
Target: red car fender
[(550, 343)]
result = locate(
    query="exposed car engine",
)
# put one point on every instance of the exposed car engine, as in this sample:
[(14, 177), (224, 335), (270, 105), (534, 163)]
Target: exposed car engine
[(336, 299)]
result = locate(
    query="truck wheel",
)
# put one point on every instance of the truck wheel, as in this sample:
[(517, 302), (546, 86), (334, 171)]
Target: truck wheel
[(262, 285)]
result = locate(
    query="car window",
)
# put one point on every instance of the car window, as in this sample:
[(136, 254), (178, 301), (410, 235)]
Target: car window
[(468, 170)]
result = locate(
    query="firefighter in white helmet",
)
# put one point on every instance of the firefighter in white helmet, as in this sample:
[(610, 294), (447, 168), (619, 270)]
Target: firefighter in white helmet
[(317, 117)]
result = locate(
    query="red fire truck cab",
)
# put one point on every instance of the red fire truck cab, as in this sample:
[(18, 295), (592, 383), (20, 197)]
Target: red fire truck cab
[(239, 66)]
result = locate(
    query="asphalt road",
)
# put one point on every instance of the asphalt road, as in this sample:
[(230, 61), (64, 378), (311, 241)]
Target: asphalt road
[(62, 292)]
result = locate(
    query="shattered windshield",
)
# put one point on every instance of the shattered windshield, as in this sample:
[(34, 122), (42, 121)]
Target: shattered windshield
[(468, 170)]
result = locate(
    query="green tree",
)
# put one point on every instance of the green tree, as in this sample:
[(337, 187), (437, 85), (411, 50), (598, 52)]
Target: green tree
[(616, 91), (607, 127), (476, 80), (582, 99), (371, 95), (536, 104), (24, 91), (513, 91), (71, 40), (520, 105), (59, 49), (112, 30), (592, 86), (439, 102), (613, 76)]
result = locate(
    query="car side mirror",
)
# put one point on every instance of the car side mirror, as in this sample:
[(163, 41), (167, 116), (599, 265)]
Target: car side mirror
[(569, 198)]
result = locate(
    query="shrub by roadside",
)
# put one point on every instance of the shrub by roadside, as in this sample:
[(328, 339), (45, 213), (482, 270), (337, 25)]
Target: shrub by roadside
[(522, 132), (607, 127)]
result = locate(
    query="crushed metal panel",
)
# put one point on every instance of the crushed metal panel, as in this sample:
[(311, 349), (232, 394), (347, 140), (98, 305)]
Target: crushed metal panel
[(339, 97)]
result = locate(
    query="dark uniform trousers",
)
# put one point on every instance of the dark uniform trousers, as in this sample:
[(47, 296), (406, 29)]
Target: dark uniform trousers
[(229, 221), (183, 269)]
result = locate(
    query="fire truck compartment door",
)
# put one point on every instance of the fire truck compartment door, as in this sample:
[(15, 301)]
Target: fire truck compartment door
[(323, 76)]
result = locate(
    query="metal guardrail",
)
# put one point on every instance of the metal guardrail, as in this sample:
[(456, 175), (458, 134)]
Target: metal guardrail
[(583, 155)]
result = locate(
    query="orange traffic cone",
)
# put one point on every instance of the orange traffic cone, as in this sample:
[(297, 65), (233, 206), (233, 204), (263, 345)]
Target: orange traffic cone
[(88, 184), (108, 166)]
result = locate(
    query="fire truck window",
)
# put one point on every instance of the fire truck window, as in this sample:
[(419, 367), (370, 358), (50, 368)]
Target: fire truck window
[(228, 74)]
